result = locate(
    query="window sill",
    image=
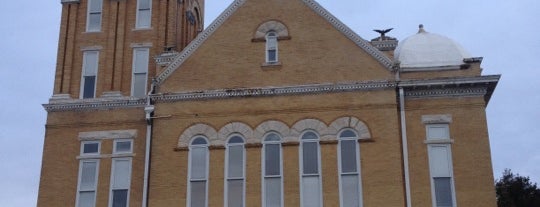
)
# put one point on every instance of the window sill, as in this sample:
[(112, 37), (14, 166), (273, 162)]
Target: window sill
[(439, 141), (142, 29), (92, 32), (271, 66)]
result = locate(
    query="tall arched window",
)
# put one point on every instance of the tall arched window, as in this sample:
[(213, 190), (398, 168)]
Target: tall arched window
[(234, 172), (310, 171), (272, 171), (198, 172), (349, 169), (271, 47)]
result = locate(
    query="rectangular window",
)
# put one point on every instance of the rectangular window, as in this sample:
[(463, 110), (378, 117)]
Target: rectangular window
[(140, 72), (437, 131), (198, 176), (90, 148), (144, 14), (93, 22), (310, 172), (235, 175), (440, 166), (272, 175), (120, 182), (88, 171), (123, 146), (350, 183), (271, 47), (89, 74)]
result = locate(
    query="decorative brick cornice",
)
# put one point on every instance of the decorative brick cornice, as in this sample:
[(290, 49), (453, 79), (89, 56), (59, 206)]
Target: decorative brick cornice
[(273, 91), (446, 92), (93, 104), (451, 87), (488, 79)]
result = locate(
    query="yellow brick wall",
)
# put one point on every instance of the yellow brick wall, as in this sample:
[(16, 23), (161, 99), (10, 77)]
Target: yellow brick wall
[(60, 166), (377, 109), (470, 150)]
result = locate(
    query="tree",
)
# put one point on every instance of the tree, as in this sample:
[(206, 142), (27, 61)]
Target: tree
[(516, 191)]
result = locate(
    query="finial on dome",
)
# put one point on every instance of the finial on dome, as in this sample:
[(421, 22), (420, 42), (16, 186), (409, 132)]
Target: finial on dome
[(421, 28)]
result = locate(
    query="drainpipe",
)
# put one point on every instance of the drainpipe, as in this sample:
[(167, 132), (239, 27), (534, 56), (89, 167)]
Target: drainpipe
[(149, 110), (405, 149)]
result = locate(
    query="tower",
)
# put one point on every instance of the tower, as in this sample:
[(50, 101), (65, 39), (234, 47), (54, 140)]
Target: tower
[(108, 51), (106, 48)]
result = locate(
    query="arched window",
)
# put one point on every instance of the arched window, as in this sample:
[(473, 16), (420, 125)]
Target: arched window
[(310, 171), (349, 169), (198, 172), (272, 171), (234, 172), (271, 47)]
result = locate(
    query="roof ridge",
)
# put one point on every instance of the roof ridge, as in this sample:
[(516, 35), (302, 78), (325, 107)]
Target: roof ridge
[(349, 33)]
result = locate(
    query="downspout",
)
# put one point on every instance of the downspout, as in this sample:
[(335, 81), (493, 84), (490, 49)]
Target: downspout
[(405, 149), (149, 110)]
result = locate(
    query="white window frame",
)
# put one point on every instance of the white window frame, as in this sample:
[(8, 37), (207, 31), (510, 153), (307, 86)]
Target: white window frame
[(445, 142), (272, 44), (358, 168), (143, 71), (83, 143), (191, 146), (115, 151), (96, 174), (263, 163), (128, 188), (89, 13), (83, 71), (227, 178), (138, 16), (301, 161)]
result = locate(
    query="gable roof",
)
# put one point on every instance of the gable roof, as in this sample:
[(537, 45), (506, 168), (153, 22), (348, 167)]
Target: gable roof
[(316, 7)]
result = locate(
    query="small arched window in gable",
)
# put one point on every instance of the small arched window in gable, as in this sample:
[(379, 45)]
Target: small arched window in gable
[(271, 47), (271, 32)]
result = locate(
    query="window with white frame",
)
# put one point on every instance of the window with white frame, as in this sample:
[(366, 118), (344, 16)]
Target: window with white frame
[(144, 14), (90, 148), (271, 47), (88, 175), (89, 74), (140, 72), (120, 182), (122, 146), (310, 170), (272, 171), (440, 165), (198, 173), (349, 169), (235, 175), (93, 22)]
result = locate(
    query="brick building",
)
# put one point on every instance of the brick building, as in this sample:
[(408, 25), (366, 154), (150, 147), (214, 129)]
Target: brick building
[(276, 103)]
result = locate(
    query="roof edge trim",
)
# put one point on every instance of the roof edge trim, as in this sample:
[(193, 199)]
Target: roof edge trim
[(349, 33)]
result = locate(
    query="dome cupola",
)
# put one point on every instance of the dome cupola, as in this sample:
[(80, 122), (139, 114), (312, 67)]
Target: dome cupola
[(428, 51)]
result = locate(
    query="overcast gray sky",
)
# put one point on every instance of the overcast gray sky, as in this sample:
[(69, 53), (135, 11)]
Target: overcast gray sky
[(505, 33)]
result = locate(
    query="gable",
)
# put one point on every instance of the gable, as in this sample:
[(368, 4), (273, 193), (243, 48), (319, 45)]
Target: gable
[(229, 54)]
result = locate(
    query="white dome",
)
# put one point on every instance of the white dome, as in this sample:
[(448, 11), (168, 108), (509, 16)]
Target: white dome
[(427, 50)]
